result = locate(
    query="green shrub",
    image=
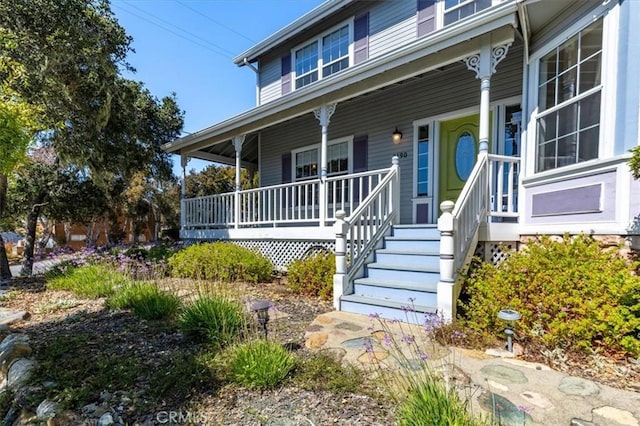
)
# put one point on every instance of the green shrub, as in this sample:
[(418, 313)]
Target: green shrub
[(91, 281), (214, 319), (570, 293), (259, 364), (220, 261), (146, 301), (61, 268), (313, 275), (429, 403), (322, 372)]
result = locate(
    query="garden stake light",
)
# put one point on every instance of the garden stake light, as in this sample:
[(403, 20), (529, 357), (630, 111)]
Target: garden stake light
[(261, 308), (510, 316)]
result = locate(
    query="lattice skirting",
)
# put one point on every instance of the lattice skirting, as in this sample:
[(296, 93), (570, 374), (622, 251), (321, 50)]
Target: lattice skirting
[(283, 252), (495, 252)]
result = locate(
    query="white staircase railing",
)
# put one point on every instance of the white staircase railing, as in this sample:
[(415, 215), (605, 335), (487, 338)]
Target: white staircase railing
[(491, 190), (359, 234)]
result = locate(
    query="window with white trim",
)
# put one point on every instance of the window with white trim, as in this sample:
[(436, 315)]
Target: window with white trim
[(306, 160), (329, 53), (569, 100), (455, 10)]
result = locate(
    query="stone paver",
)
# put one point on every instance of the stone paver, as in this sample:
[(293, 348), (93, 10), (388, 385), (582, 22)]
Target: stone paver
[(517, 391)]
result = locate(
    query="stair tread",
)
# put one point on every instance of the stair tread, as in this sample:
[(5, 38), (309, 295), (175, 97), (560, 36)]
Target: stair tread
[(408, 252), (386, 303), (399, 284), (417, 226), (411, 238), (403, 267)]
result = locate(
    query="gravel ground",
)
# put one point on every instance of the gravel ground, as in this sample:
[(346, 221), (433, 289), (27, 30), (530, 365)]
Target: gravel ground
[(111, 333)]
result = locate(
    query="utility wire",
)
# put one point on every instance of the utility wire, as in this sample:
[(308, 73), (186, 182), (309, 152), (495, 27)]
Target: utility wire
[(190, 37), (183, 4)]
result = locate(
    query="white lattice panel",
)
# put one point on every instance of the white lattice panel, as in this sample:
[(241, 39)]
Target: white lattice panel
[(283, 252), (495, 252)]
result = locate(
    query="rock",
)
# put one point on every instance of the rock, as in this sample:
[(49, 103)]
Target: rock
[(64, 418), (373, 357), (7, 316), (579, 422), (499, 353), (608, 415), (106, 420), (349, 326), (105, 396), (12, 339), (10, 353), (47, 409), (577, 386), (19, 372), (506, 374), (536, 399), (316, 340), (518, 349), (505, 410), (89, 409), (495, 385)]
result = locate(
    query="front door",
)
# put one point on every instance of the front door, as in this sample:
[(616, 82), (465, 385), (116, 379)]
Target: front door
[(458, 154)]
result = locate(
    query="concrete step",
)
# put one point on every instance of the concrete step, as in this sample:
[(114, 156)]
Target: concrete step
[(400, 291), (387, 309)]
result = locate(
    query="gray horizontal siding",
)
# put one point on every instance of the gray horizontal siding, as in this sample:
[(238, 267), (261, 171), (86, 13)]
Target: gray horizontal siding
[(391, 24), (377, 114), (270, 88)]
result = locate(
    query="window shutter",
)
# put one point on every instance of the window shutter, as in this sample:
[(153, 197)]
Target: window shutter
[(286, 168), (285, 74), (426, 17), (360, 153), (361, 38)]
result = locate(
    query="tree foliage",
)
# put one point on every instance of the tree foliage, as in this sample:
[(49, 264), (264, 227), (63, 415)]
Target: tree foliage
[(634, 162)]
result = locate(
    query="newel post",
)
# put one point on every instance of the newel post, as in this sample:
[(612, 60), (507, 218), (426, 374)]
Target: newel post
[(395, 189), (340, 227), (446, 294)]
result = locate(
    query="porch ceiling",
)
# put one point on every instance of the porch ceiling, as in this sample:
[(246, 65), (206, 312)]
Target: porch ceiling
[(425, 54)]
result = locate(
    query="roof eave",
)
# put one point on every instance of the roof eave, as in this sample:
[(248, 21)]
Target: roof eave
[(299, 25)]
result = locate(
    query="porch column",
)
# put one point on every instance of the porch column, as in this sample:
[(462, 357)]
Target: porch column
[(484, 65), (238, 140), (323, 114), (184, 160)]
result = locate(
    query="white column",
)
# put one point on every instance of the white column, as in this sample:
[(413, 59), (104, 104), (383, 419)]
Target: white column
[(237, 144), (484, 65), (340, 228), (184, 160), (323, 114)]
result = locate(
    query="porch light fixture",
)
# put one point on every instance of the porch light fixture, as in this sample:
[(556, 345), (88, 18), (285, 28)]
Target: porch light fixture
[(510, 316), (261, 309), (396, 136)]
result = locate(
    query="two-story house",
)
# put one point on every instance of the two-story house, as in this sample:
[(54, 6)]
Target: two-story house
[(399, 133)]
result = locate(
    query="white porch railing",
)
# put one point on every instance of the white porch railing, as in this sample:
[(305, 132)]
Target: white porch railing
[(290, 204), (358, 234), (489, 191)]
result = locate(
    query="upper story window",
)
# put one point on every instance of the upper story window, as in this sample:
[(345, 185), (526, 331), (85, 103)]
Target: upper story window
[(455, 10), (569, 100), (322, 57)]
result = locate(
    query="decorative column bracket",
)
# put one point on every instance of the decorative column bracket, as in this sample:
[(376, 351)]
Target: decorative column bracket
[(324, 113), (482, 68)]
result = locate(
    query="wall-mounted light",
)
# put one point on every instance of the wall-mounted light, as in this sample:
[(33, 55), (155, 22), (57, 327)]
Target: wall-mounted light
[(396, 136)]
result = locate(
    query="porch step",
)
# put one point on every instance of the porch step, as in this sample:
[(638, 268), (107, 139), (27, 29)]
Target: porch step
[(387, 309), (401, 282)]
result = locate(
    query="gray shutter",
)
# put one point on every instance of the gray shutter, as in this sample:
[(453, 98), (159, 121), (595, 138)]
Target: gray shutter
[(426, 17), (286, 168), (361, 163), (361, 38), (285, 74)]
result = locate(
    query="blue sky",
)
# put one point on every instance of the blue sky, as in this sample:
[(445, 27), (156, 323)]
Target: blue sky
[(187, 46)]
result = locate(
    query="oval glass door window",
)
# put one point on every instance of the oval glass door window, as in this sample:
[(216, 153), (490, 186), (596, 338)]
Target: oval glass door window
[(465, 155)]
